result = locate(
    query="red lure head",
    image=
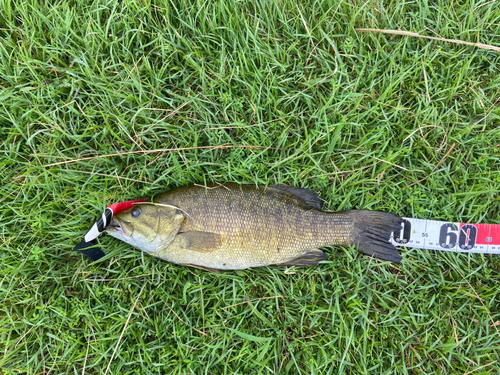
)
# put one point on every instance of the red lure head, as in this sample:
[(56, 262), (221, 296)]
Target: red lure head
[(122, 206)]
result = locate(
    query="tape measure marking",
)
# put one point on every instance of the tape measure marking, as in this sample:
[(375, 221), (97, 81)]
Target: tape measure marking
[(448, 236)]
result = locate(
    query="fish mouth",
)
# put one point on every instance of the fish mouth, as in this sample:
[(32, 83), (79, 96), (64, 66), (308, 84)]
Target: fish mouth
[(114, 224), (115, 227)]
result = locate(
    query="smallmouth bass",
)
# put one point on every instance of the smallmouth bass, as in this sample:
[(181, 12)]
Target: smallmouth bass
[(230, 226)]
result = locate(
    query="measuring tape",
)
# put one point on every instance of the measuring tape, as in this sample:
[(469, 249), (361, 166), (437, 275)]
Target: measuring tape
[(448, 236)]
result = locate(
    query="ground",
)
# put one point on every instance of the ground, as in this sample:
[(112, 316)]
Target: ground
[(103, 101)]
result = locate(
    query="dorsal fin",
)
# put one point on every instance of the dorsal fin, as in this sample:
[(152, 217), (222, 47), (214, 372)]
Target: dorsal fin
[(303, 197)]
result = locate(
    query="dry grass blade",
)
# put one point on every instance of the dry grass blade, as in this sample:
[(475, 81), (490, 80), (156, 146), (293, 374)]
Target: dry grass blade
[(480, 367), (124, 328), (437, 165), (152, 152), (111, 176), (455, 41)]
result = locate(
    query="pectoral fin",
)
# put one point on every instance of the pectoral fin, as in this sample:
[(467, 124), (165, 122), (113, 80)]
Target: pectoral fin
[(203, 242)]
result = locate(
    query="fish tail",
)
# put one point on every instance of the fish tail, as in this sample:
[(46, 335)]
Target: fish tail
[(372, 231)]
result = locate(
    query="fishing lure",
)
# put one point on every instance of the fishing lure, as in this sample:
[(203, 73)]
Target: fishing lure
[(88, 245)]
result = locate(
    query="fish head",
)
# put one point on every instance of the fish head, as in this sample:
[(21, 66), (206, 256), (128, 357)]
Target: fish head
[(147, 226)]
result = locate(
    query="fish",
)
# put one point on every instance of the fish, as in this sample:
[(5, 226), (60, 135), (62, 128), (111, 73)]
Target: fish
[(229, 226)]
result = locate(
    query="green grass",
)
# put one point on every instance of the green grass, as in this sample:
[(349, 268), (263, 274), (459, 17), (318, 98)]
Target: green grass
[(356, 117)]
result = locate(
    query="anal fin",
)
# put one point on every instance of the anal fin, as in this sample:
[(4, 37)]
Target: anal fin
[(309, 258)]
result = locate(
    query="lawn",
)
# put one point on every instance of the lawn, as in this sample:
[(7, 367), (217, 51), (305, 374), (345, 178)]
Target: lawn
[(104, 101)]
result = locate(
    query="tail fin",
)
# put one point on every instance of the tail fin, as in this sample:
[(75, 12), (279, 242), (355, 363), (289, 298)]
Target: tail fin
[(372, 231)]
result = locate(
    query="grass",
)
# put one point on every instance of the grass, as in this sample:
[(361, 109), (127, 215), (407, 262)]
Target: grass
[(177, 92)]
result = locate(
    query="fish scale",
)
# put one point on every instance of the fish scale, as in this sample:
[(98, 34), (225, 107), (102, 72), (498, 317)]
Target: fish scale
[(252, 228)]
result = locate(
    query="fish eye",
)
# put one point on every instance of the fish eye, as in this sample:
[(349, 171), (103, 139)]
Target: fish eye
[(136, 212)]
